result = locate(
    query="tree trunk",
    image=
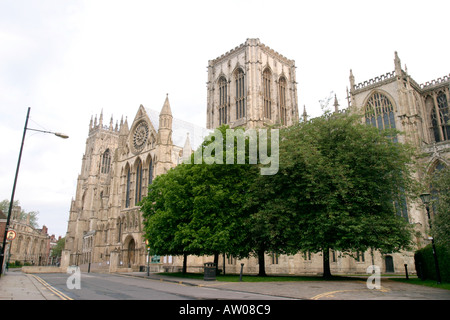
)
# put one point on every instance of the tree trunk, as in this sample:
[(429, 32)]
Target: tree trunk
[(326, 263), (216, 262), (262, 264), (184, 263), (223, 264)]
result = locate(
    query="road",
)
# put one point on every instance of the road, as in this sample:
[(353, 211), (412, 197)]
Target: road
[(98, 286)]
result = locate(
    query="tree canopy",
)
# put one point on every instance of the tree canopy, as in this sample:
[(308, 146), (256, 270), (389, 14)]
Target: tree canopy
[(340, 185), (22, 215)]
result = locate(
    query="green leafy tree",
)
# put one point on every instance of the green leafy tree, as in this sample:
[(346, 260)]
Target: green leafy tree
[(441, 207), (198, 208), (58, 248), (336, 188), (166, 210), (22, 215)]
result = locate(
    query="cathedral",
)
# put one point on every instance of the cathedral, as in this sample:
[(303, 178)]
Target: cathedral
[(250, 86)]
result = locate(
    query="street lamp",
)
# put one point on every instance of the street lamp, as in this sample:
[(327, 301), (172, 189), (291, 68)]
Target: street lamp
[(60, 135), (426, 199)]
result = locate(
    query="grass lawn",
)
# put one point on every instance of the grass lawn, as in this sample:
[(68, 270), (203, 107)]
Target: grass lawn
[(428, 283), (254, 278)]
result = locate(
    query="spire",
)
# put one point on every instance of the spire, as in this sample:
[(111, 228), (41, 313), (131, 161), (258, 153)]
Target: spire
[(187, 150), (165, 117), (305, 115), (352, 80), (398, 65), (336, 104), (166, 107), (100, 123)]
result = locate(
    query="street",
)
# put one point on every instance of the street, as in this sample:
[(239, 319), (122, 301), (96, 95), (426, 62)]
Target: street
[(98, 286)]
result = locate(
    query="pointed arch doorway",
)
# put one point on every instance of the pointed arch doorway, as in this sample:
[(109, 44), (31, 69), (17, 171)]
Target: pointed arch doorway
[(130, 251)]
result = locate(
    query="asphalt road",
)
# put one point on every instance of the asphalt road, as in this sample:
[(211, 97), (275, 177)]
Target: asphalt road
[(98, 286)]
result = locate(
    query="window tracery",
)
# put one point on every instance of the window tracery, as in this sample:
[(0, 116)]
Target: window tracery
[(240, 94), (267, 78), (223, 101)]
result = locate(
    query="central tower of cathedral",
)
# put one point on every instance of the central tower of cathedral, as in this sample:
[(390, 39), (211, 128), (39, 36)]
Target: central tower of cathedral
[(251, 86)]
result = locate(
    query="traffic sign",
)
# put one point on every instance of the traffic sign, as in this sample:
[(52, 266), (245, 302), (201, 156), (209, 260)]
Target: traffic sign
[(11, 235)]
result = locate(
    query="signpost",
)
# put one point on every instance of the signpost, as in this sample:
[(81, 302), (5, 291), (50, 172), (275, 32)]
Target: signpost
[(11, 235)]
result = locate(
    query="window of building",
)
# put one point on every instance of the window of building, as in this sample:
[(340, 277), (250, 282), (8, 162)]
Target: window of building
[(274, 258), (106, 162), (223, 101), (240, 94), (441, 123), (150, 172), (138, 191), (267, 77), (127, 194), (307, 255), (282, 94), (360, 256), (379, 112)]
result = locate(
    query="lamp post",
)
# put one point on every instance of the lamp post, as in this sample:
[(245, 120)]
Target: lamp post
[(426, 198), (11, 203)]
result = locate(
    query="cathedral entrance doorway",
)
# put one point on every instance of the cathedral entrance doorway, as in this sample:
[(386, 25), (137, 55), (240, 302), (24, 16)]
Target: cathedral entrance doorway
[(389, 264), (130, 251)]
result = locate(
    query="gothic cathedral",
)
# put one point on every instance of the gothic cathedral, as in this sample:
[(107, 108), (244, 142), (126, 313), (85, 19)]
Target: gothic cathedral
[(250, 86)]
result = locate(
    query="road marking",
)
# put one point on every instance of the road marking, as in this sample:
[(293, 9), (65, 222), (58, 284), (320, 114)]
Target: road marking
[(331, 293), (61, 295)]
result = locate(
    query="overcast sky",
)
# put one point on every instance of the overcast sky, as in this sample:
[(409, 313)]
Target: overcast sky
[(67, 60)]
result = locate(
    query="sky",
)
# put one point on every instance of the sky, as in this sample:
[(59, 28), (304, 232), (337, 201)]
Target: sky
[(68, 60)]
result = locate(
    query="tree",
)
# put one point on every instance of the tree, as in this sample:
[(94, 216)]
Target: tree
[(441, 207), (198, 208), (22, 215), (58, 248), (166, 210), (337, 187)]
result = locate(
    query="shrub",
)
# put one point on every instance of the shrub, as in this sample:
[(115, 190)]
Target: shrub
[(425, 266)]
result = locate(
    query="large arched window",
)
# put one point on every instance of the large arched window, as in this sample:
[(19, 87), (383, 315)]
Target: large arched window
[(435, 175), (240, 94), (282, 95), (127, 192), (379, 112), (223, 101), (106, 162), (267, 79), (441, 123), (150, 172), (138, 191)]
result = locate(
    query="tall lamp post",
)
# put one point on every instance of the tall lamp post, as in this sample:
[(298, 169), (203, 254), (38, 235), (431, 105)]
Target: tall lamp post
[(426, 198), (11, 203)]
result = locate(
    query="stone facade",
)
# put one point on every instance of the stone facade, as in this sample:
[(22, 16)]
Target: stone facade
[(31, 246), (120, 162), (250, 86)]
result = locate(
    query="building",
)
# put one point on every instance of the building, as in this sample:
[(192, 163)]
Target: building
[(119, 164), (31, 245), (250, 86)]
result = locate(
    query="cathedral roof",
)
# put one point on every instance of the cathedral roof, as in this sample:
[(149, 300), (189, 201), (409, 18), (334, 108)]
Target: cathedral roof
[(180, 129)]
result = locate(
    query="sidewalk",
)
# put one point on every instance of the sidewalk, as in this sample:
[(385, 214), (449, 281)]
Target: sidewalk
[(15, 285)]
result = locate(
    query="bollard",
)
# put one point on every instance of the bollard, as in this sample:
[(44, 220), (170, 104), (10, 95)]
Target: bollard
[(240, 276), (406, 271)]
